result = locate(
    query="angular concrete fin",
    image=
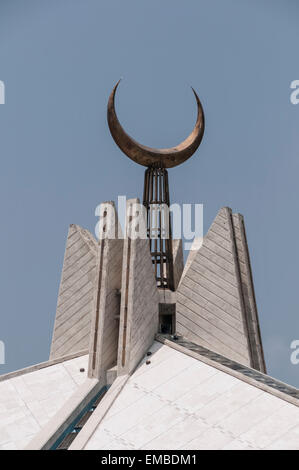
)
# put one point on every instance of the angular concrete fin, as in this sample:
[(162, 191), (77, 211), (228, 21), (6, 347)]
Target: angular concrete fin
[(254, 334), (178, 261), (106, 301), (72, 324), (213, 309), (139, 297), (197, 242)]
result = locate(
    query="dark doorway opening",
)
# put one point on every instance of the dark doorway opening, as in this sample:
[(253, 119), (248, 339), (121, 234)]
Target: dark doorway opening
[(167, 319)]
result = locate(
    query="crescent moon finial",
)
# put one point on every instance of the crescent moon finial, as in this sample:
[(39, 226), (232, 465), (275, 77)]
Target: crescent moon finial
[(147, 156)]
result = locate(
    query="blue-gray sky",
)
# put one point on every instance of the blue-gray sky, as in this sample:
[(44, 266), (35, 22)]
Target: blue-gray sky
[(59, 60)]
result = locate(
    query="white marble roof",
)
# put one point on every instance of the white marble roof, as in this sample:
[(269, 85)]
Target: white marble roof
[(178, 402), (29, 400)]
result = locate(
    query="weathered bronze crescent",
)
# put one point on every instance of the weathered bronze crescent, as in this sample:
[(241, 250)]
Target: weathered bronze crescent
[(147, 156)]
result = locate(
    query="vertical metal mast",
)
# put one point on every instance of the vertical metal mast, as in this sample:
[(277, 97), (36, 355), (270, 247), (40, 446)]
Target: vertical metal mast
[(156, 201)]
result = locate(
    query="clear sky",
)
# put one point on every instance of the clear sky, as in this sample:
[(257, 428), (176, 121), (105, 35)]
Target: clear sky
[(59, 60)]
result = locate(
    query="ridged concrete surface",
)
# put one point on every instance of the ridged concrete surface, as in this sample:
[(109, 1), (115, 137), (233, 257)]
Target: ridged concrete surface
[(74, 305), (139, 302), (211, 309), (106, 302)]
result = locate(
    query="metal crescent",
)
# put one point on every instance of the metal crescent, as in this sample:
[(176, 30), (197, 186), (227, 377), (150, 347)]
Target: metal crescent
[(147, 156)]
